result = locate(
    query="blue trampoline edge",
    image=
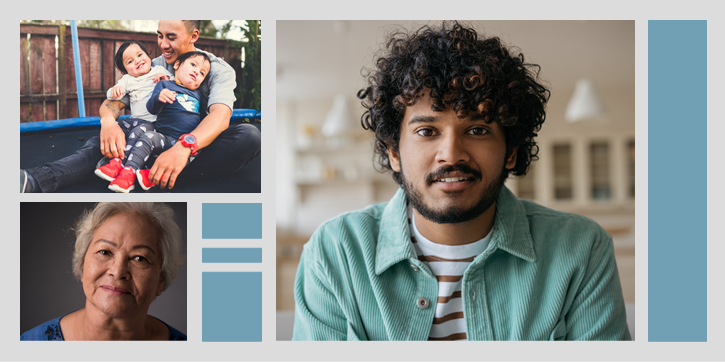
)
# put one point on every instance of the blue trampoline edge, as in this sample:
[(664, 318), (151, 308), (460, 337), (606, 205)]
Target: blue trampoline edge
[(237, 115)]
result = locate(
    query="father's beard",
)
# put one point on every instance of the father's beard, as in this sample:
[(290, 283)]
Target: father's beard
[(453, 214)]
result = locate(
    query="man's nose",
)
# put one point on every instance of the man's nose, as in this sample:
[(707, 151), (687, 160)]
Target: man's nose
[(452, 150)]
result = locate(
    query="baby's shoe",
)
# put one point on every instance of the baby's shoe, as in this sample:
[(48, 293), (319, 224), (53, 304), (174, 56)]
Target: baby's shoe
[(143, 179), (124, 181), (110, 170)]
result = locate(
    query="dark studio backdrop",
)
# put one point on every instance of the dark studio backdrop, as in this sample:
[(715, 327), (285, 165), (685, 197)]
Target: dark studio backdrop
[(48, 288)]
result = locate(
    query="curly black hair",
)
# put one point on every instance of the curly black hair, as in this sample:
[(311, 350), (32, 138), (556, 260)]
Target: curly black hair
[(461, 72)]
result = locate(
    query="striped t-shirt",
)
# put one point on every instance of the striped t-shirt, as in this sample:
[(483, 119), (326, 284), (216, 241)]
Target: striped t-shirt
[(447, 262)]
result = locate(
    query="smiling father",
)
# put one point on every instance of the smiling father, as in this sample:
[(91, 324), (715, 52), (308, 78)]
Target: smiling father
[(455, 255)]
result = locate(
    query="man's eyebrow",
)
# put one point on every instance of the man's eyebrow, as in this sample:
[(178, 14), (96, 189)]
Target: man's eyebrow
[(423, 119), (477, 117)]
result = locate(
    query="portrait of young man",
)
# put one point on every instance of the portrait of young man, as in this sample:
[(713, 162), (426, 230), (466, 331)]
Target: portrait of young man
[(454, 254)]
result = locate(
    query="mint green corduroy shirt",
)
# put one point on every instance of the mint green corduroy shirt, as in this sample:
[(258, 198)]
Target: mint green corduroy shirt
[(546, 275)]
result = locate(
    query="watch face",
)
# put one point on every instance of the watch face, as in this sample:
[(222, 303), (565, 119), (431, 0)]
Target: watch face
[(189, 139)]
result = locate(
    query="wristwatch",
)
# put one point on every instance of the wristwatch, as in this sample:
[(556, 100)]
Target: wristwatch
[(188, 140)]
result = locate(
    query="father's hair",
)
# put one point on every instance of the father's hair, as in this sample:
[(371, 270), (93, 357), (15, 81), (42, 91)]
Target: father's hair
[(191, 25), (462, 72), (183, 57), (158, 215), (118, 58)]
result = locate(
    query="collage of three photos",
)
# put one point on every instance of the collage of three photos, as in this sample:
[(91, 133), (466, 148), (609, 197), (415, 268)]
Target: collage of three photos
[(435, 180)]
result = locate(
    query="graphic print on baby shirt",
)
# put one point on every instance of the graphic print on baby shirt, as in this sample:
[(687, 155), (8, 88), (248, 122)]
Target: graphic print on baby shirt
[(189, 103)]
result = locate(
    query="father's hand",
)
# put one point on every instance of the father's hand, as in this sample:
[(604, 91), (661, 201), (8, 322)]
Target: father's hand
[(113, 140), (169, 165)]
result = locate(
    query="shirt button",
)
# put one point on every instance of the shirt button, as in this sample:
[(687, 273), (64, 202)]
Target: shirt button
[(423, 303), (415, 268)]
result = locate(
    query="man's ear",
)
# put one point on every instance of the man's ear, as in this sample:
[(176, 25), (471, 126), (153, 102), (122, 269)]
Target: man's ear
[(511, 158), (176, 65), (394, 159), (194, 36)]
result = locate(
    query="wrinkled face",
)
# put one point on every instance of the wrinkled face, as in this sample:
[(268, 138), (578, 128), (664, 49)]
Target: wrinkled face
[(136, 61), (122, 267), (452, 168), (191, 72), (174, 39)]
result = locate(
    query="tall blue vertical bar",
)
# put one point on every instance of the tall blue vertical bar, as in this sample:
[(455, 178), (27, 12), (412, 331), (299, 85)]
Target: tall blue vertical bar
[(677, 174)]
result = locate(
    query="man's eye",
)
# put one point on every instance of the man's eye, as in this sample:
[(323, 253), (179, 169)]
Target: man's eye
[(477, 131), (425, 132)]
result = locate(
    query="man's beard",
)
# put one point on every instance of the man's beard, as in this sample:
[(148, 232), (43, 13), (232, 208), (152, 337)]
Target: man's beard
[(453, 214)]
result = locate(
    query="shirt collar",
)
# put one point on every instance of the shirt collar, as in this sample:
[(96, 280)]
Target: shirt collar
[(394, 236), (510, 231)]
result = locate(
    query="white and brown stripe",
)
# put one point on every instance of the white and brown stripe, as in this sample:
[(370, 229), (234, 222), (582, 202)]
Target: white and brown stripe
[(448, 263)]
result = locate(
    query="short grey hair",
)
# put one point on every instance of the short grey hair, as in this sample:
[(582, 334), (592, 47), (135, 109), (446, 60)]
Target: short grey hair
[(159, 215)]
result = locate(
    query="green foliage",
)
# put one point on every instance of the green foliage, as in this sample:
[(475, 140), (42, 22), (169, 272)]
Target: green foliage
[(207, 29), (224, 30), (250, 92)]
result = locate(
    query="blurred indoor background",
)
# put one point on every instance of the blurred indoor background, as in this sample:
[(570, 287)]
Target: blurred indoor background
[(325, 159)]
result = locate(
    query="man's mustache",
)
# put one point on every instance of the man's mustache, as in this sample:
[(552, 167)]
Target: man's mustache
[(439, 173)]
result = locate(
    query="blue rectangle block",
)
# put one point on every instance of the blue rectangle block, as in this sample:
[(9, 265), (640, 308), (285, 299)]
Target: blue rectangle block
[(231, 307), (231, 221), (677, 174), (231, 255)]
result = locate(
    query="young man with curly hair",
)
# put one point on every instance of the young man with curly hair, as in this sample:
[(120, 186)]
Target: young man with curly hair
[(455, 255)]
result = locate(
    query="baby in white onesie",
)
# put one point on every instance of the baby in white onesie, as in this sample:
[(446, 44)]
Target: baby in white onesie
[(139, 78)]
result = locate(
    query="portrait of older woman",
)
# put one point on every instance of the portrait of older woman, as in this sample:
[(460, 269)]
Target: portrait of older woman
[(125, 256)]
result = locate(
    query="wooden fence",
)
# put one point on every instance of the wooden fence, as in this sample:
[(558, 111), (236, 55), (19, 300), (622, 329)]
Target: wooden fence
[(47, 76)]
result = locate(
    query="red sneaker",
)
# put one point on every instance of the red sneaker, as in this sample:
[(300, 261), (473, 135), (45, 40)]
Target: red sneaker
[(124, 181), (110, 170), (143, 179)]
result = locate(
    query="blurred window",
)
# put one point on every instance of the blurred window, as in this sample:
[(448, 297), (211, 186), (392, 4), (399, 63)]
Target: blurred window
[(599, 153), (562, 172)]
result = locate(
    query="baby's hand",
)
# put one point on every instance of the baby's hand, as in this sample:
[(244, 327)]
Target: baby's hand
[(160, 76), (117, 92), (167, 96)]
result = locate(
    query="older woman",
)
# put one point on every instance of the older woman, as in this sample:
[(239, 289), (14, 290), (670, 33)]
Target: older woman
[(126, 254)]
